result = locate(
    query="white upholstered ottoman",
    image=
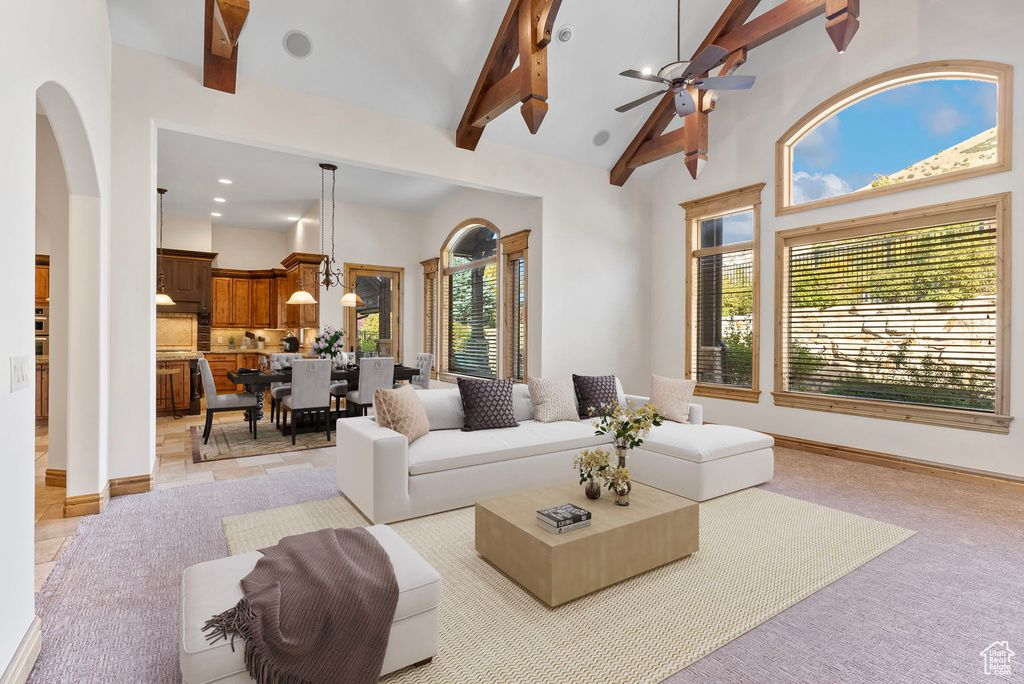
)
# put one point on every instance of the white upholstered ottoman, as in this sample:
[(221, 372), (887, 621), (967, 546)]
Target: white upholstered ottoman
[(212, 587)]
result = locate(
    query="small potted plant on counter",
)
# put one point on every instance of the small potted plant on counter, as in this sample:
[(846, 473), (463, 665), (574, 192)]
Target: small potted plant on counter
[(231, 342)]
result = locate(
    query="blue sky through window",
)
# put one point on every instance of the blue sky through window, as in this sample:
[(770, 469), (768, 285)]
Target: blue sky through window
[(889, 132)]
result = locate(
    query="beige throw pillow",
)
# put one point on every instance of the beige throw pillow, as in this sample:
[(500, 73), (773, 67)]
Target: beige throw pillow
[(402, 411), (672, 397), (553, 399)]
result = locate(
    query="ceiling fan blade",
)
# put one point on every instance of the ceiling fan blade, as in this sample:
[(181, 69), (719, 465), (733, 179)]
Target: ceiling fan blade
[(633, 73), (708, 58), (684, 103), (637, 103), (724, 83)]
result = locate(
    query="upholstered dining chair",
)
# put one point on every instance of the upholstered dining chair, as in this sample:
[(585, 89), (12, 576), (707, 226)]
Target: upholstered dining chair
[(218, 403), (311, 393), (424, 362), (280, 390), (340, 389), (373, 374)]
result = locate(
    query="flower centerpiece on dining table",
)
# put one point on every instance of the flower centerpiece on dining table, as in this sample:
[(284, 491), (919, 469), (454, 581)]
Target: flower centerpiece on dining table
[(591, 465), (628, 426), (329, 344)]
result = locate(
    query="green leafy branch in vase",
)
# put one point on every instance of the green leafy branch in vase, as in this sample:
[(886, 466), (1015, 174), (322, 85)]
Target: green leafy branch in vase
[(628, 425), (591, 464)]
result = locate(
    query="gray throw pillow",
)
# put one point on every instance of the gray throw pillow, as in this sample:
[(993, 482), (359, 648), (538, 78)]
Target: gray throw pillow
[(597, 394), (487, 404)]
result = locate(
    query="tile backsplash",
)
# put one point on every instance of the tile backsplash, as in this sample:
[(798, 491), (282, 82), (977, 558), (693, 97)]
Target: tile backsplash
[(272, 338), (176, 332)]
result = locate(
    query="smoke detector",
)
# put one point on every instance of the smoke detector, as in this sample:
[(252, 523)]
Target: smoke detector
[(298, 44), (563, 34)]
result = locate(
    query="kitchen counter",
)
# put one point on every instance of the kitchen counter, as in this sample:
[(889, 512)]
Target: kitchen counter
[(265, 352), (178, 355), (43, 359)]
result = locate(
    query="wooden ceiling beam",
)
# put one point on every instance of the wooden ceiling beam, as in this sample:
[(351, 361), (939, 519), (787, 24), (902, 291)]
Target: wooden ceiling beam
[(523, 34), (222, 27), (665, 145), (771, 24), (695, 139), (734, 15), (734, 61), (842, 22)]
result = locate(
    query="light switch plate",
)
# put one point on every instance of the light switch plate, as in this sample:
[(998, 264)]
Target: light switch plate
[(21, 372)]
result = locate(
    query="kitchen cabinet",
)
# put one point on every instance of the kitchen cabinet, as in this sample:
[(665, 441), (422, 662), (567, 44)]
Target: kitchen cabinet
[(231, 301), (302, 269), (42, 390), (262, 311), (220, 364), (182, 387), (241, 303), (220, 316), (187, 277), (42, 280)]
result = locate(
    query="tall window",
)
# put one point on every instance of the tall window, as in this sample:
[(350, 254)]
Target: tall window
[(901, 316), (430, 310), (721, 305), (914, 126), (513, 250), (470, 299)]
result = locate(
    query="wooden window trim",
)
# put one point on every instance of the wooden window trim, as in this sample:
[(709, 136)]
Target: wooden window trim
[(729, 202), (443, 373), (996, 72), (512, 248), (991, 206), (430, 272), (396, 272)]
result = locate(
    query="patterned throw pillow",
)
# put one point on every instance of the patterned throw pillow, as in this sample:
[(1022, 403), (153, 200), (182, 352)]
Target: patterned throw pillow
[(597, 394), (402, 411), (487, 404), (552, 399), (672, 397)]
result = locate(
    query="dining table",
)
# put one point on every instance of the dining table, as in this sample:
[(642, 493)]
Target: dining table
[(256, 384)]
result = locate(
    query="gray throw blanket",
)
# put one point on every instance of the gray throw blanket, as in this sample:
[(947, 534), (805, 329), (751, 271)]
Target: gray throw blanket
[(317, 609)]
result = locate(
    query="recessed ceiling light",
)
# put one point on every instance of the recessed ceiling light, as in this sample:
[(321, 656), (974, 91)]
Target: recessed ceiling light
[(225, 181), (298, 44), (293, 218), (219, 199), (213, 213)]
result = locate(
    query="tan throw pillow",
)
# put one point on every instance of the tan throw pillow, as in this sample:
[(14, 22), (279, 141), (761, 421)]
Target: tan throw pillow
[(553, 399), (402, 411), (672, 397)]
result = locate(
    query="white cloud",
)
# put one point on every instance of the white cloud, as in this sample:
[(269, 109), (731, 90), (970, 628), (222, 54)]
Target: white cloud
[(817, 149), (943, 120), (809, 187)]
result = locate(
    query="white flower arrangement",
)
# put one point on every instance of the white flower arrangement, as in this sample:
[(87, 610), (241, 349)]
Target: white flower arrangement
[(329, 343)]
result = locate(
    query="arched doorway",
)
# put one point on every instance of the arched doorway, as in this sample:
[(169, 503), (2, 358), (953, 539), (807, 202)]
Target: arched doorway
[(78, 314)]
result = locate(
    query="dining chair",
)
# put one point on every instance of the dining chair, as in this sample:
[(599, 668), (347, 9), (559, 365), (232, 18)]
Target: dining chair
[(424, 362), (219, 403), (280, 390), (340, 389), (311, 393), (373, 374)]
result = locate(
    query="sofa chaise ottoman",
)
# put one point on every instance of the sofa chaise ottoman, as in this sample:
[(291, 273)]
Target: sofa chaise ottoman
[(389, 479), (212, 587)]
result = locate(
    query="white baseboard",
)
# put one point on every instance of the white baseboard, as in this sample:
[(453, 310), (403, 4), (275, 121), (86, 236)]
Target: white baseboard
[(25, 657)]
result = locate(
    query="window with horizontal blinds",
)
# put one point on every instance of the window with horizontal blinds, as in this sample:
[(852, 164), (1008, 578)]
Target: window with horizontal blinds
[(905, 316), (472, 321), (723, 347), (430, 312), (516, 316)]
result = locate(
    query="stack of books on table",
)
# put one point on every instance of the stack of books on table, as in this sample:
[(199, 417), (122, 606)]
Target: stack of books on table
[(564, 518)]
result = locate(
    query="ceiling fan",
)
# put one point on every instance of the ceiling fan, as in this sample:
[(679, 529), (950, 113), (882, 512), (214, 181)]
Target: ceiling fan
[(680, 75)]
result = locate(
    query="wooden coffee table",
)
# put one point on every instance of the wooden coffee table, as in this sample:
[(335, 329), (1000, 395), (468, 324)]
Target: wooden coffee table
[(621, 541)]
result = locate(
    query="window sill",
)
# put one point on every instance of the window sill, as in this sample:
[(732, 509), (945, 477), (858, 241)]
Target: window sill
[(906, 413), (453, 378), (730, 392)]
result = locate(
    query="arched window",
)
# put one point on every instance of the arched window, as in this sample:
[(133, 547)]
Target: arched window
[(475, 303), (469, 300), (907, 128)]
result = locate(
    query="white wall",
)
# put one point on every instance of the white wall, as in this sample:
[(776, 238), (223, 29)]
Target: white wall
[(247, 249), (69, 44), (185, 232), (590, 242), (51, 187), (743, 132)]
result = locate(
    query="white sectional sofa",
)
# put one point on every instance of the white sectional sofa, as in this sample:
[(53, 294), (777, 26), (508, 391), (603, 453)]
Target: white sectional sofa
[(389, 479)]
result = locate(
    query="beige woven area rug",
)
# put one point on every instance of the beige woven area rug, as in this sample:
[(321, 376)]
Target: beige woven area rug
[(760, 553)]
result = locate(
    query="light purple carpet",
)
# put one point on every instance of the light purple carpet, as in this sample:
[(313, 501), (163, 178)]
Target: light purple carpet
[(922, 612)]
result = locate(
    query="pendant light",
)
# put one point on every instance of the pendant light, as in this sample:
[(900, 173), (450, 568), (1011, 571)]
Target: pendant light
[(162, 298), (328, 272), (351, 299)]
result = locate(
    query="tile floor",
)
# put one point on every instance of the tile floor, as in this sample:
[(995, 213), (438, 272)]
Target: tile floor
[(174, 469)]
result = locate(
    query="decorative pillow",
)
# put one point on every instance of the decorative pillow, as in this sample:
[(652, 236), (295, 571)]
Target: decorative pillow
[(487, 404), (597, 394), (672, 397), (553, 399), (402, 411)]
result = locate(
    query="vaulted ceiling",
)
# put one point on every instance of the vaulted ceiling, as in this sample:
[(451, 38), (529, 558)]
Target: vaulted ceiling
[(420, 60)]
